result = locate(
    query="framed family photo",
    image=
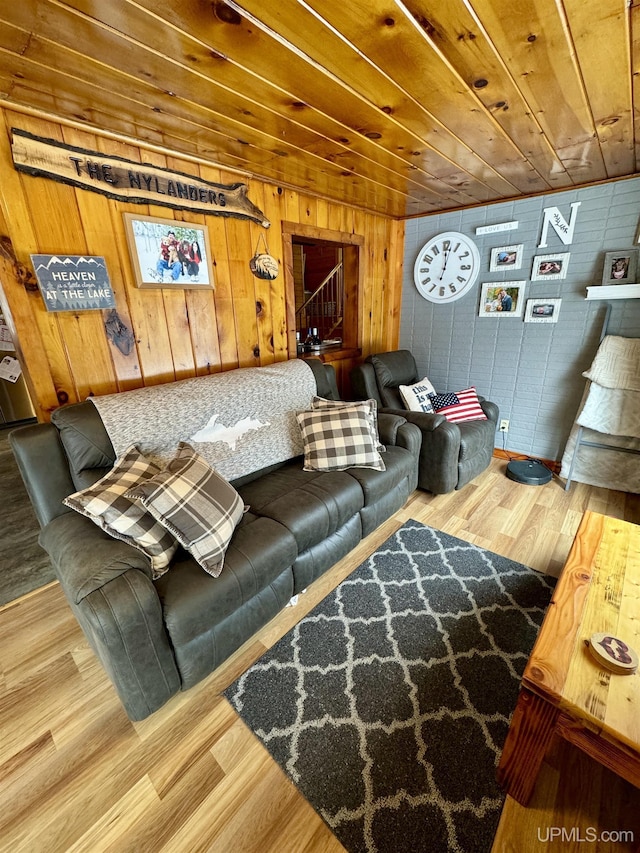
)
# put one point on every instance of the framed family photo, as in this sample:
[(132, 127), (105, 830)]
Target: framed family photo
[(542, 310), (506, 258), (502, 299), (620, 267), (168, 253), (550, 267)]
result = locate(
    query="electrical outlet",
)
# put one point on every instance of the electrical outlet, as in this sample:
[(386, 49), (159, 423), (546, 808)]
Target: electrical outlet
[(504, 425)]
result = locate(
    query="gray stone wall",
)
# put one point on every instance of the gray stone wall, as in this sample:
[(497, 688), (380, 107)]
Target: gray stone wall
[(532, 371)]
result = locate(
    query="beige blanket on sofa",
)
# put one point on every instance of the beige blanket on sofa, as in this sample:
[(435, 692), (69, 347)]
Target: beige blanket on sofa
[(240, 421)]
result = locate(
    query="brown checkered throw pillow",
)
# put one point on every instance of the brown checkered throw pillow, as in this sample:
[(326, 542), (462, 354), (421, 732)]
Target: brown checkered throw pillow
[(107, 505), (339, 438), (369, 407), (198, 506)]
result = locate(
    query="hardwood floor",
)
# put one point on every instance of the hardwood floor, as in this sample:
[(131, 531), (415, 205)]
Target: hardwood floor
[(76, 774)]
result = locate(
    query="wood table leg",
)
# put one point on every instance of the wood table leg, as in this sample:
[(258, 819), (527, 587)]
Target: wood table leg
[(530, 732)]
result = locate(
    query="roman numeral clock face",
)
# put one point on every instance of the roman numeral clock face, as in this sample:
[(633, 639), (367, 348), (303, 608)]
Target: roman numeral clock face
[(446, 267)]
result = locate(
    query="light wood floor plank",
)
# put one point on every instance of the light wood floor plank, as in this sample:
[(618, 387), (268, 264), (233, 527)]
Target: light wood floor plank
[(76, 774)]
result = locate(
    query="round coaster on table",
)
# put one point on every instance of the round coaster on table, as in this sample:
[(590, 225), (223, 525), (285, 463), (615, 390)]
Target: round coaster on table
[(613, 653)]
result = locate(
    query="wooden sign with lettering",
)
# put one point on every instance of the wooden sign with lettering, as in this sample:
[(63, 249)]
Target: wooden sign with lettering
[(73, 282), (129, 181)]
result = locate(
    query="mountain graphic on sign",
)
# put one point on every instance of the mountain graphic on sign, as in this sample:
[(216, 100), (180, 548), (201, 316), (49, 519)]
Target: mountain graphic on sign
[(230, 435), (68, 260)]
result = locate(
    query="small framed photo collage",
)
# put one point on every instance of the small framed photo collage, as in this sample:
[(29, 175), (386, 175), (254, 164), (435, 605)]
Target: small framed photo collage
[(507, 298)]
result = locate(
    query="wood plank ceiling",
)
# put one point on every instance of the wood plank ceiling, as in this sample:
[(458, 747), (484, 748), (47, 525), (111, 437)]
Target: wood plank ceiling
[(400, 108)]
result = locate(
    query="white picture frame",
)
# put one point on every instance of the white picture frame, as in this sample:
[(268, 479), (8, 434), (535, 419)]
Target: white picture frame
[(542, 310), (506, 258), (550, 267), (495, 294)]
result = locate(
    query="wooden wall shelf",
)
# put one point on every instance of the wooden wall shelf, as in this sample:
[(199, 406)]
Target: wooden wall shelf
[(614, 291)]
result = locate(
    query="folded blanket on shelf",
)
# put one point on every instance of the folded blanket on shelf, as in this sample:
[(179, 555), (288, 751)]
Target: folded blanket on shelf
[(616, 364), (611, 411)]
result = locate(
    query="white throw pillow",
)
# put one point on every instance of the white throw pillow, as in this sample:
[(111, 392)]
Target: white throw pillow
[(416, 396)]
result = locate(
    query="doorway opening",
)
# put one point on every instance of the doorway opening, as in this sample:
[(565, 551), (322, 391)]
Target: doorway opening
[(318, 273), (323, 271)]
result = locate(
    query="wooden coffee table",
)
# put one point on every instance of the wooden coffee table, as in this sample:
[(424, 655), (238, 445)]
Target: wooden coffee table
[(564, 690)]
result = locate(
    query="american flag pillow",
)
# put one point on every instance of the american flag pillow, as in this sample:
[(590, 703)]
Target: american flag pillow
[(458, 407)]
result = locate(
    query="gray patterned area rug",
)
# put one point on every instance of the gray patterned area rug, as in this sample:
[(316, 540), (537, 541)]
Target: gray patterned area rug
[(388, 704)]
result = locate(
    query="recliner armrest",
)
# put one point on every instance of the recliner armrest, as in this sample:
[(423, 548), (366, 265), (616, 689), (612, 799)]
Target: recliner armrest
[(490, 409), (425, 420)]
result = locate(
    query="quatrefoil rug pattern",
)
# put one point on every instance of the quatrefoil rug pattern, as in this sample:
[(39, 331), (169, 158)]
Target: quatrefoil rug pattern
[(388, 704)]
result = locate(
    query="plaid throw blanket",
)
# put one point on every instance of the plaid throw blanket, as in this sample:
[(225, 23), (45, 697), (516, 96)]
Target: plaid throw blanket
[(239, 421)]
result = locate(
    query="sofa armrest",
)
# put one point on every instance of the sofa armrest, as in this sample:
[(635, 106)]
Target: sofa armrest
[(396, 431), (388, 426), (109, 588), (37, 449), (85, 557)]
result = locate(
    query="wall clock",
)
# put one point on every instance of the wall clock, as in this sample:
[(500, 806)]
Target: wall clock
[(447, 267)]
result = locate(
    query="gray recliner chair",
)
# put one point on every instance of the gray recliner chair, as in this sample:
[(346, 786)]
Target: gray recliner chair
[(452, 454)]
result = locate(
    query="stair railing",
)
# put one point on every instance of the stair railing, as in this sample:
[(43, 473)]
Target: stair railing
[(323, 309)]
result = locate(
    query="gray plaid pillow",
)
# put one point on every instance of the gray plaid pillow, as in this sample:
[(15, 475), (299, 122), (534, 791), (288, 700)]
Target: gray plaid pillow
[(369, 407), (336, 439), (198, 506), (107, 505)]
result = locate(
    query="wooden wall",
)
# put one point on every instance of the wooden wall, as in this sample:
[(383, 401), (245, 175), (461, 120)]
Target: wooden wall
[(243, 322)]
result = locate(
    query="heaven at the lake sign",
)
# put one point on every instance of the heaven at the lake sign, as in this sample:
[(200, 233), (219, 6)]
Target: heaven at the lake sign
[(73, 282)]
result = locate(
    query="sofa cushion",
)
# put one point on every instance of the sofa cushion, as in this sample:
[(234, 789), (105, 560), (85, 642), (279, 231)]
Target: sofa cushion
[(376, 484), (194, 601), (107, 504), (310, 504), (336, 439), (198, 506), (85, 441)]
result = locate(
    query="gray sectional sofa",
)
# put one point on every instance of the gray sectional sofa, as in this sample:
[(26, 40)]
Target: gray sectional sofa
[(156, 637)]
